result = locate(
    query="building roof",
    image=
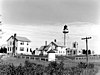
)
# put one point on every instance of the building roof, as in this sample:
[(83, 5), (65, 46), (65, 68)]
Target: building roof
[(51, 51), (19, 38), (45, 48), (58, 44), (22, 39), (41, 48)]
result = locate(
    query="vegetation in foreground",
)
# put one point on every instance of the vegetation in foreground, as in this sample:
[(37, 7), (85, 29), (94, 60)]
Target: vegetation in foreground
[(53, 68)]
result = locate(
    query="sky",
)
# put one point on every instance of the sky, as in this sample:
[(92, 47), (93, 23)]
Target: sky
[(43, 20)]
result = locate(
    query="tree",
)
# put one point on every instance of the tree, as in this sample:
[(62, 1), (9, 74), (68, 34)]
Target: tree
[(85, 51), (1, 50), (4, 50)]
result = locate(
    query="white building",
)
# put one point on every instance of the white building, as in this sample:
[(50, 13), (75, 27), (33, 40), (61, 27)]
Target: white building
[(37, 51), (57, 47), (51, 55), (22, 45), (71, 52)]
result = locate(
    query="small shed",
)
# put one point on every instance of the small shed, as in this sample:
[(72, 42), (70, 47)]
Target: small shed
[(51, 55)]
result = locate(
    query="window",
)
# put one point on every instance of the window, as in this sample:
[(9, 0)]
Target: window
[(74, 52), (22, 43), (59, 51), (27, 49), (16, 48), (30, 50), (21, 48), (10, 43), (74, 45), (8, 48)]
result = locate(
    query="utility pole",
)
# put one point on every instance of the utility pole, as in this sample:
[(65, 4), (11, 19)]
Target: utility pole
[(86, 46), (14, 47)]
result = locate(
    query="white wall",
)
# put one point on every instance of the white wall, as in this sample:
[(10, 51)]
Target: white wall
[(61, 51), (51, 57), (18, 45), (10, 45), (25, 46), (37, 52), (79, 52)]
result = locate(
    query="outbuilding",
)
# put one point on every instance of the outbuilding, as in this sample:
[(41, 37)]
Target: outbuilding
[(51, 55)]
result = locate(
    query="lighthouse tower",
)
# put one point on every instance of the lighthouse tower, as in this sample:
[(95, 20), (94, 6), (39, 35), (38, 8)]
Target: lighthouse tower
[(65, 31)]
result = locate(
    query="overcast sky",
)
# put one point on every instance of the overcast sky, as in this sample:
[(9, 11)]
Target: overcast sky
[(43, 20), (49, 11)]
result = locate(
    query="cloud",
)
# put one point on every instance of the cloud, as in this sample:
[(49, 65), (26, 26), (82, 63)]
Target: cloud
[(49, 11)]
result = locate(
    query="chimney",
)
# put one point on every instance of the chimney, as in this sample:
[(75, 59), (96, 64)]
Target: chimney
[(55, 40), (14, 35), (36, 48), (45, 43)]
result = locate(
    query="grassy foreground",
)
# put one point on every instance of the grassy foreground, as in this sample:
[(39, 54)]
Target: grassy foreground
[(17, 66)]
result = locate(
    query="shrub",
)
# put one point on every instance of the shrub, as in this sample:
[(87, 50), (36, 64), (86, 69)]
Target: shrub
[(85, 65)]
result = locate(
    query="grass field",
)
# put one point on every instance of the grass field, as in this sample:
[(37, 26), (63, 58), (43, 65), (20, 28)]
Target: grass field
[(67, 63), (17, 61)]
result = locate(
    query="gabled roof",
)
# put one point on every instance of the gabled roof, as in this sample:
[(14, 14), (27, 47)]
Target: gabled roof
[(51, 51), (19, 38), (41, 48), (22, 39), (58, 44), (45, 48)]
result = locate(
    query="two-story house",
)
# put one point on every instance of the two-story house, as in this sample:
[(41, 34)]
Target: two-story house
[(22, 45)]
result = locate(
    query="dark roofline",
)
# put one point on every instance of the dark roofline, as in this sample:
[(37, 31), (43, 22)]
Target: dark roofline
[(44, 47), (19, 40), (56, 44), (10, 37), (23, 41), (51, 51)]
